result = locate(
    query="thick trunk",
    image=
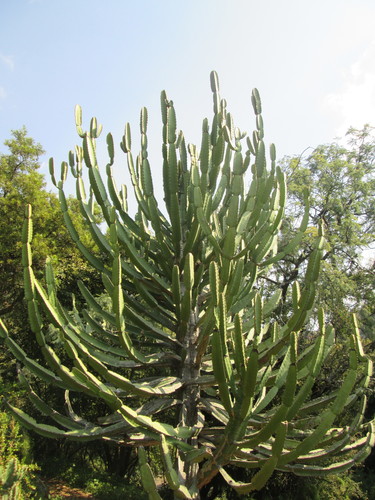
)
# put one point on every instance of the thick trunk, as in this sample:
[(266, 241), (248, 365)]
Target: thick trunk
[(189, 414)]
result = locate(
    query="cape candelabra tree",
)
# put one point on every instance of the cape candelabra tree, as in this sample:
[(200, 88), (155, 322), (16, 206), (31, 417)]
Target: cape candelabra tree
[(184, 346)]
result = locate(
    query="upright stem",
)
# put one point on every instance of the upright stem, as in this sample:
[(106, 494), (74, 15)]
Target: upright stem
[(189, 415)]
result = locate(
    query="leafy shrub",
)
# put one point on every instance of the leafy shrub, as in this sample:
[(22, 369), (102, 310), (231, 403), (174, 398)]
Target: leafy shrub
[(17, 477)]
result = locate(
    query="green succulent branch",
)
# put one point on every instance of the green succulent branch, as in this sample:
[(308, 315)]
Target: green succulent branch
[(189, 356)]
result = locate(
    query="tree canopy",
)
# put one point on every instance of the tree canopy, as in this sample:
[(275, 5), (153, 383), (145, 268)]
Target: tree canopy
[(21, 183), (341, 185)]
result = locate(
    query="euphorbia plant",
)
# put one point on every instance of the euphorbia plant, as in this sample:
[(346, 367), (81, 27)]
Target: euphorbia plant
[(229, 384)]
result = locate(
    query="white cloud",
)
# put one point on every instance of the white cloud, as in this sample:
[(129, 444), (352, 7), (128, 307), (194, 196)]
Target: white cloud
[(8, 61), (354, 103)]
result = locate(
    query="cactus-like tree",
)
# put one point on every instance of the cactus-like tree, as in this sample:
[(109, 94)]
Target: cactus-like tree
[(184, 346)]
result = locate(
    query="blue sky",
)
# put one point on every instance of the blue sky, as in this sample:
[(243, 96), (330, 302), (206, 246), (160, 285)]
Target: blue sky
[(313, 63)]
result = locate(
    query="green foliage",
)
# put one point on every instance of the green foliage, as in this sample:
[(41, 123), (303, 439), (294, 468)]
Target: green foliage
[(88, 473), (289, 487), (109, 488), (17, 476), (339, 487), (341, 181), (21, 184), (188, 348)]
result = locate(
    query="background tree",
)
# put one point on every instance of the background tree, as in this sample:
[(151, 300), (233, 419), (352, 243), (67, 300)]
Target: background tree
[(341, 183), (21, 184)]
